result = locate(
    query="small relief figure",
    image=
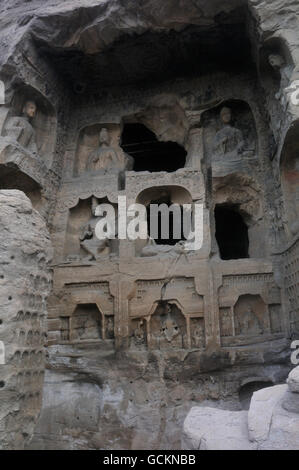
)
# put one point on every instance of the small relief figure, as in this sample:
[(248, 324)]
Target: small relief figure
[(109, 328), (198, 336), (226, 323), (278, 63), (89, 242), (229, 141), (107, 158), (248, 323), (20, 129), (138, 334), (88, 330), (171, 332)]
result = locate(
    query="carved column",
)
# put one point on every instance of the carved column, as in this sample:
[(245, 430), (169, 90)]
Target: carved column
[(122, 290), (195, 148)]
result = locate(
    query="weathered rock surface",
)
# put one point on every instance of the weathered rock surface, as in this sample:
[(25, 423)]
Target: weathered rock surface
[(293, 380), (272, 423), (194, 98), (25, 282)]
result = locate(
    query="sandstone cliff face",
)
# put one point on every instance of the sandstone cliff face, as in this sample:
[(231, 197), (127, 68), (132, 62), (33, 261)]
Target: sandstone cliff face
[(25, 283), (136, 341)]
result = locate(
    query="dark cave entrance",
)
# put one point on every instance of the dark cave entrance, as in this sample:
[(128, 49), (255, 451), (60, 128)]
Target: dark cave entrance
[(231, 233), (149, 154), (247, 390), (175, 222)]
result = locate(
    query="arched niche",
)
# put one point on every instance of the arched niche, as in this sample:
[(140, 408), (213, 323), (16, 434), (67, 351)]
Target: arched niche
[(168, 327), (238, 198), (86, 323), (251, 317), (89, 142), (167, 196), (44, 122), (275, 65), (81, 219), (242, 140), (289, 168), (13, 178)]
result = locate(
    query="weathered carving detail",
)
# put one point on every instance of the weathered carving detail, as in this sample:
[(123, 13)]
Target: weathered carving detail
[(229, 142), (86, 323), (106, 158), (21, 130)]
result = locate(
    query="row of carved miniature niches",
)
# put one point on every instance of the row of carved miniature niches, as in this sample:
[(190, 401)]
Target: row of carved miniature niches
[(30, 123), (167, 328)]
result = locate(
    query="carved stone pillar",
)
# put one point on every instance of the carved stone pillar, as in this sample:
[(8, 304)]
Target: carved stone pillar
[(195, 148), (122, 290)]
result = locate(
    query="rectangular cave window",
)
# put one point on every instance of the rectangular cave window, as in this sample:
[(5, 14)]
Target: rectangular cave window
[(231, 233)]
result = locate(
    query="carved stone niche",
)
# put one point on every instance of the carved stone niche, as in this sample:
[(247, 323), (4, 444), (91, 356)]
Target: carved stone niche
[(230, 138), (290, 180), (156, 244), (86, 323), (81, 242), (239, 218), (30, 127), (168, 329), (98, 151), (251, 317), (250, 320)]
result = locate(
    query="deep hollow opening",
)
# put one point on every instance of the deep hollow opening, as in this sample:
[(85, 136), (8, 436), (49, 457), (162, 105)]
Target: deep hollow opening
[(247, 390), (149, 154), (175, 223), (231, 233)]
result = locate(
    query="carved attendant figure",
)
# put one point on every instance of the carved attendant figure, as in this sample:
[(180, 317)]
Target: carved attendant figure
[(20, 128), (228, 141), (88, 239)]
